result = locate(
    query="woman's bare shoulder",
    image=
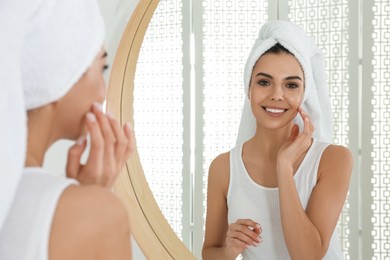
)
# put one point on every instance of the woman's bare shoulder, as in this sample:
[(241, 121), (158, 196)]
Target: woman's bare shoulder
[(87, 218), (91, 199), (336, 159), (85, 202), (219, 172), (220, 162), (337, 153)]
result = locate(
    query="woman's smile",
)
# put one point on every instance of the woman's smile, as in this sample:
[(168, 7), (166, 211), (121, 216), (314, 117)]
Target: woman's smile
[(274, 111)]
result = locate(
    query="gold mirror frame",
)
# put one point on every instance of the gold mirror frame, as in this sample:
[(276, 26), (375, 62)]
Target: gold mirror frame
[(151, 230)]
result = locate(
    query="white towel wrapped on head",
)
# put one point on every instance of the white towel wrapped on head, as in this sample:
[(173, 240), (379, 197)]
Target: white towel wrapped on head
[(52, 63), (316, 95)]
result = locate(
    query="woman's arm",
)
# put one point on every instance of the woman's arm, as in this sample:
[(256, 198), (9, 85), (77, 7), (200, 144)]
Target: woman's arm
[(224, 241), (307, 233), (216, 217)]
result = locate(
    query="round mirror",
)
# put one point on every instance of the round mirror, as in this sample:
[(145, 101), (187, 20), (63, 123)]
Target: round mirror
[(150, 228), (154, 89), (156, 84)]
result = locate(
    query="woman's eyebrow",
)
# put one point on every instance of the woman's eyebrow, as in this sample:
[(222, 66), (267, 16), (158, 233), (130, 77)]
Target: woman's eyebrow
[(286, 78), (293, 77), (264, 74)]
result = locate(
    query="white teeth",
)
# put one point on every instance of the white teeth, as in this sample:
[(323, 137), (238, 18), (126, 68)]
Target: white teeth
[(274, 110)]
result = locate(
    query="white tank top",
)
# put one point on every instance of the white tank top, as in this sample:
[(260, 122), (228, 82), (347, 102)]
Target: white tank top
[(26, 231), (247, 199)]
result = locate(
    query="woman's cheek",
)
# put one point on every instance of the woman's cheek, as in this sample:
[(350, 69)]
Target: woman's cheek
[(299, 100)]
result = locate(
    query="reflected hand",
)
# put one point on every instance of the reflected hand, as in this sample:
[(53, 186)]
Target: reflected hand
[(111, 146), (242, 234), (297, 143)]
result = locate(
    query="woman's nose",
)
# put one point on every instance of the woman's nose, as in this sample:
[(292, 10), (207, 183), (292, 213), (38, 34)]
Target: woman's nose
[(277, 93)]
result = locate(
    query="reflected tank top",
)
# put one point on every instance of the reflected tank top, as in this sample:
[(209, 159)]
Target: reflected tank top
[(247, 199)]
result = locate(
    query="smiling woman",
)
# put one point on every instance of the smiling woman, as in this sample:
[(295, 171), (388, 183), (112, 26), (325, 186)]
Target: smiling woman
[(222, 34), (281, 180)]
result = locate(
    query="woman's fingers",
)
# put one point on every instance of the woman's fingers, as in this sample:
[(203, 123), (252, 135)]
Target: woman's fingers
[(241, 235), (246, 238), (109, 166), (308, 126), (73, 166), (246, 231), (297, 143), (110, 146), (94, 164), (121, 143), (250, 224), (129, 132), (125, 142), (294, 133)]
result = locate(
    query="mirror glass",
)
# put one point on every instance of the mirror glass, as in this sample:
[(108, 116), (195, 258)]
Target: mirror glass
[(158, 110), (188, 98), (187, 94)]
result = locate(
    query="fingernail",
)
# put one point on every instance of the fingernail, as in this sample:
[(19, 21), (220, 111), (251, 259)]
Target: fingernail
[(256, 244), (91, 117), (258, 225), (80, 140), (97, 106), (129, 126), (110, 115)]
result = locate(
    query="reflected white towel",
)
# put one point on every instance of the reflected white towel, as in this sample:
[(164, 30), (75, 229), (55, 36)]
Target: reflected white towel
[(62, 41), (316, 96)]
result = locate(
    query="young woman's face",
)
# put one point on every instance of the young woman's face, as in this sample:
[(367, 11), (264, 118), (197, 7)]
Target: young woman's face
[(276, 90), (78, 101)]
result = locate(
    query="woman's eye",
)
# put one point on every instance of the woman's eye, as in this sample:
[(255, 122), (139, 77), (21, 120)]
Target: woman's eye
[(105, 67), (292, 85), (263, 83)]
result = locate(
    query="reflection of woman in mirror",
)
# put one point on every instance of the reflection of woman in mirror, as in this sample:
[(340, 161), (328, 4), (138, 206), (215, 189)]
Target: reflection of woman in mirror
[(279, 193), (62, 76)]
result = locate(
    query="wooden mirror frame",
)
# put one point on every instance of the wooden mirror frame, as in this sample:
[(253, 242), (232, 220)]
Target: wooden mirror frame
[(151, 230)]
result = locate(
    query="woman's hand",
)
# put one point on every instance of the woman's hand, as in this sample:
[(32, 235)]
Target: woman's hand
[(242, 234), (110, 147), (297, 143)]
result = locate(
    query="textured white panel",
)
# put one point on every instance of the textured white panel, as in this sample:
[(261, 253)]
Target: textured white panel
[(230, 28), (158, 109), (380, 130), (327, 22)]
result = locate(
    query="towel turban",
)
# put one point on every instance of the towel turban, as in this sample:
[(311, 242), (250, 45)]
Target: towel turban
[(62, 41)]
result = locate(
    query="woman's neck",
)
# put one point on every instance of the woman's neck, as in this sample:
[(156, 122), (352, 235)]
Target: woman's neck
[(267, 142), (40, 135)]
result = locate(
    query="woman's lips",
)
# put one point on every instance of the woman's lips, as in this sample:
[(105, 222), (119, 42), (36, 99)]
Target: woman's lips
[(274, 110)]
